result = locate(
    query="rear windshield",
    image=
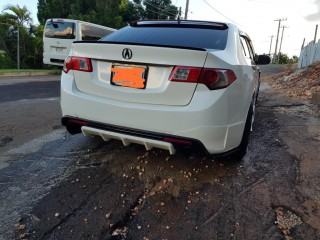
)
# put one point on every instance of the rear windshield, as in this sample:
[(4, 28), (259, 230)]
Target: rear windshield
[(172, 36), (64, 30)]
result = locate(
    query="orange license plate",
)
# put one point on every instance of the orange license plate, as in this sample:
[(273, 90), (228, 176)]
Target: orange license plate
[(129, 76)]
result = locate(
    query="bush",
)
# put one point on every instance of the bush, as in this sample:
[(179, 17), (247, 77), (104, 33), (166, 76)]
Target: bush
[(6, 62)]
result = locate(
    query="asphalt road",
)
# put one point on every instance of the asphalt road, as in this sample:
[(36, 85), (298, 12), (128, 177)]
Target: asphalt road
[(57, 186), (31, 90), (29, 108)]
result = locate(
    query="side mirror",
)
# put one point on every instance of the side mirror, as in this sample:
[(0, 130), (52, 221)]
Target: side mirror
[(263, 59)]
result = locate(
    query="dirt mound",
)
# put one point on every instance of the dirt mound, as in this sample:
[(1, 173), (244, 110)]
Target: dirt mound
[(300, 83)]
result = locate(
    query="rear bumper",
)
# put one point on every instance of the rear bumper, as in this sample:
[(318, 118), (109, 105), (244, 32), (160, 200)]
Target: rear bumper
[(205, 121), (54, 59), (128, 135)]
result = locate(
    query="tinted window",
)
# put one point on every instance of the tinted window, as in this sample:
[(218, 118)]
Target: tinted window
[(248, 49), (65, 30), (93, 33), (245, 47), (172, 36)]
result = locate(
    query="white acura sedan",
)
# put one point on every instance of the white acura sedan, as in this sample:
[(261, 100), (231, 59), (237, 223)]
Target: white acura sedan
[(165, 84)]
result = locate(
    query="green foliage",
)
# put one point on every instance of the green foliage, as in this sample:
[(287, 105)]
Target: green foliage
[(16, 15), (133, 11), (53, 9), (104, 12), (285, 59), (294, 59), (111, 13), (16, 20), (160, 9), (5, 61)]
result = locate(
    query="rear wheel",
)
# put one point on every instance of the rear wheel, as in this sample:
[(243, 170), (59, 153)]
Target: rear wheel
[(242, 149)]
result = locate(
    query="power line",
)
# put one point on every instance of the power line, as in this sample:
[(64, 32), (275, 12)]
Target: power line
[(195, 15), (156, 12), (169, 13), (160, 12), (221, 13)]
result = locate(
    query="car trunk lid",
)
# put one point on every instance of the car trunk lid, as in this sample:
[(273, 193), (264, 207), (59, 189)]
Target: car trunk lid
[(136, 73)]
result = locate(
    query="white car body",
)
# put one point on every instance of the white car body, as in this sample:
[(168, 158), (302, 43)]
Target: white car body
[(165, 114)]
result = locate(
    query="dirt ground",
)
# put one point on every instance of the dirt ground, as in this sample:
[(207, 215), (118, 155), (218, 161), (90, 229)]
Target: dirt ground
[(297, 83), (102, 190)]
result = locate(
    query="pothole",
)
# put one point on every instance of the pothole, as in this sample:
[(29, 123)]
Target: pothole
[(5, 141)]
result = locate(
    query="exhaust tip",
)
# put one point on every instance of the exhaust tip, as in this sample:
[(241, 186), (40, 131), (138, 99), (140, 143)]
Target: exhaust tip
[(189, 153), (73, 129)]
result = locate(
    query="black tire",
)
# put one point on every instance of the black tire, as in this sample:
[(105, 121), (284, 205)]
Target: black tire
[(241, 151)]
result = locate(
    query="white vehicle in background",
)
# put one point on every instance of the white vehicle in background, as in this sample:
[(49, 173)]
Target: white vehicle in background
[(59, 34)]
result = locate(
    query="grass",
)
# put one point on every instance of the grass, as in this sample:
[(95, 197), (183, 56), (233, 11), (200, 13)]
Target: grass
[(53, 71)]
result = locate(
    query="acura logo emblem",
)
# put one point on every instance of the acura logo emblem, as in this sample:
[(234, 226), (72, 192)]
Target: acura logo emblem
[(127, 53)]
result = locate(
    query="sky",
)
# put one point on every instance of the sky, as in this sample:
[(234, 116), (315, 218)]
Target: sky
[(255, 17)]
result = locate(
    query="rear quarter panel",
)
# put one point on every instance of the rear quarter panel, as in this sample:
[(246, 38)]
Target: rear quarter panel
[(241, 91)]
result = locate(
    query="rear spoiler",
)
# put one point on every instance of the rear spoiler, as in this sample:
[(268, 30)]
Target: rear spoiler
[(142, 44), (180, 24)]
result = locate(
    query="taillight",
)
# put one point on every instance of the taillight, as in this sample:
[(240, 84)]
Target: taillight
[(185, 74), (217, 78), (78, 64), (211, 77)]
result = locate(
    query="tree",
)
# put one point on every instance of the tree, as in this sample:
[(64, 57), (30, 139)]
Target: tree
[(17, 20), (53, 9), (16, 15), (134, 11), (294, 59), (111, 13), (6, 61), (285, 59), (104, 12), (160, 9)]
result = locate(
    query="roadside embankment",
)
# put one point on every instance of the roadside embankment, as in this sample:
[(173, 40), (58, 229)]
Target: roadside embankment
[(300, 83)]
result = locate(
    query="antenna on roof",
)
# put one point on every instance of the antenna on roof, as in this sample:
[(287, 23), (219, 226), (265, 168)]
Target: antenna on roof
[(179, 15)]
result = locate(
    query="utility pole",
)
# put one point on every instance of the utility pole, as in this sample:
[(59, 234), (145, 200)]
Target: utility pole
[(270, 45), (315, 35), (18, 47), (283, 27), (302, 46), (186, 11), (275, 51)]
